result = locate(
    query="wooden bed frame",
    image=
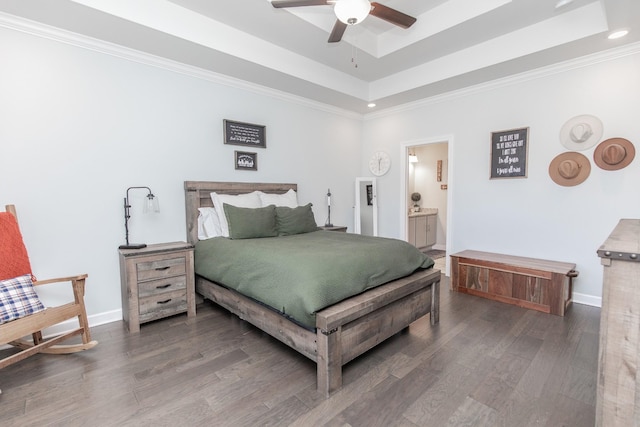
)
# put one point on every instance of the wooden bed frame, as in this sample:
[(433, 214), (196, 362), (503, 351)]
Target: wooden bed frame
[(344, 330)]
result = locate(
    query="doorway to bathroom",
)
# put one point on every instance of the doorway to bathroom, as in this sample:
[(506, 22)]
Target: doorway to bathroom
[(426, 204)]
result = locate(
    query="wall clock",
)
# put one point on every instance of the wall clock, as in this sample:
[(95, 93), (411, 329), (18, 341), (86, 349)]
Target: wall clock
[(379, 163)]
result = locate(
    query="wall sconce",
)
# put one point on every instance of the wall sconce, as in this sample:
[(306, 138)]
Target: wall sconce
[(413, 158), (439, 170), (150, 205)]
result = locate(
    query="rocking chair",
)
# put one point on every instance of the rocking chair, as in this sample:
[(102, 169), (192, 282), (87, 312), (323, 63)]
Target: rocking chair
[(22, 313)]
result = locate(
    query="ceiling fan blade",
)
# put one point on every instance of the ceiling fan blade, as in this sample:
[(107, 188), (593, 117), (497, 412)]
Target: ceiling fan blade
[(298, 3), (337, 32), (391, 15)]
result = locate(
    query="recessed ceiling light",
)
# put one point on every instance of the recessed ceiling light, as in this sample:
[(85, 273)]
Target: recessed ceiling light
[(618, 34), (562, 3), (371, 104)]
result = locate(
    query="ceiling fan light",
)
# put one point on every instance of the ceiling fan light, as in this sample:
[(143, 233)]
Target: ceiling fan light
[(352, 12)]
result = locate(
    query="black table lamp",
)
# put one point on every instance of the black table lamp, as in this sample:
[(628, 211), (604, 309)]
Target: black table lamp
[(150, 205), (328, 223)]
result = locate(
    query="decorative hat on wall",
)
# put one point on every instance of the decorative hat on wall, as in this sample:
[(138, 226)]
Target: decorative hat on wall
[(614, 154), (581, 132), (569, 169)]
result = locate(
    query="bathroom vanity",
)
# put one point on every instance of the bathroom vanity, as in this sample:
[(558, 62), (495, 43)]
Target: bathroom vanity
[(422, 227)]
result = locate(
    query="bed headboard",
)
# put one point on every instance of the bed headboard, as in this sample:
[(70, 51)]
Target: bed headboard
[(197, 194)]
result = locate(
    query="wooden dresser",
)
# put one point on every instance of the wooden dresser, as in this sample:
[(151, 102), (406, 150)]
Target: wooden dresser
[(618, 395), (157, 281)]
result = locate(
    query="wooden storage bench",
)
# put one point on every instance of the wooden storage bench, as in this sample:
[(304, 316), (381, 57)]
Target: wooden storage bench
[(526, 282)]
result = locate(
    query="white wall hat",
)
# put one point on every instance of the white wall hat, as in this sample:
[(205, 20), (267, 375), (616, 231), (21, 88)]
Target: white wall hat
[(581, 132)]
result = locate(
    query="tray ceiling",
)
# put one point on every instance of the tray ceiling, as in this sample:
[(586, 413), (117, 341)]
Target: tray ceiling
[(453, 45)]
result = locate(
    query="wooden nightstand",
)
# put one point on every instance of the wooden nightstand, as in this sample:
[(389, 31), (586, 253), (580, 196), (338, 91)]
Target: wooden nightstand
[(157, 281), (334, 228)]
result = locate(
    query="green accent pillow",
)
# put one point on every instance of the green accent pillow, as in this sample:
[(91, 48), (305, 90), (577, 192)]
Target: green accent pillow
[(295, 220), (251, 223)]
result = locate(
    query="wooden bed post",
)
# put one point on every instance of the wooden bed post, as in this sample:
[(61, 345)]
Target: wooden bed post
[(192, 203), (435, 303), (329, 369)]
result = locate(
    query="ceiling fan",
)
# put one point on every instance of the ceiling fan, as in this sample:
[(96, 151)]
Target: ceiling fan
[(352, 12)]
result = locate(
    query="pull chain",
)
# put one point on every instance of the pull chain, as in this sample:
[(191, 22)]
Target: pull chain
[(354, 56)]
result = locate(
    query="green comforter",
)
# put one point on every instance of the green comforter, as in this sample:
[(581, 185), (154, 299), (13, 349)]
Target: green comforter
[(301, 274)]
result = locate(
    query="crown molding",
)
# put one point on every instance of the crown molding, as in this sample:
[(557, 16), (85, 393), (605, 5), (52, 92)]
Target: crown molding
[(84, 42), (44, 31), (539, 73)]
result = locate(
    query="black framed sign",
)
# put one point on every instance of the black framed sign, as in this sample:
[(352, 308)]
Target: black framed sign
[(246, 161), (247, 134), (509, 150)]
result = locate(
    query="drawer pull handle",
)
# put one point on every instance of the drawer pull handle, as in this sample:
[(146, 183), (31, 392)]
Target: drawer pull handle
[(165, 301), (163, 268), (163, 286)]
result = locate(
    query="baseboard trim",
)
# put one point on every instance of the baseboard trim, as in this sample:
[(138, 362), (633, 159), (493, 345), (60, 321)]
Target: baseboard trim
[(587, 299)]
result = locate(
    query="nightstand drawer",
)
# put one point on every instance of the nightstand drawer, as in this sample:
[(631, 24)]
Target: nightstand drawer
[(155, 287), (162, 305), (161, 268)]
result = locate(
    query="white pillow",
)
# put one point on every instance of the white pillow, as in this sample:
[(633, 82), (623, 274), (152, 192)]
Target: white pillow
[(208, 224), (288, 199), (248, 200)]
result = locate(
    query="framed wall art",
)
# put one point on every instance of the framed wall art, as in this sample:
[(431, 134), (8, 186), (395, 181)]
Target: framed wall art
[(246, 161), (509, 150), (247, 134)]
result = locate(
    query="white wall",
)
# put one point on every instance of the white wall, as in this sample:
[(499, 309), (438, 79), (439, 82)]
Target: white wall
[(533, 216), (77, 127)]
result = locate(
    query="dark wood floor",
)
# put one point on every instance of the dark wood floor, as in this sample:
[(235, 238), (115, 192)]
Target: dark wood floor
[(485, 364)]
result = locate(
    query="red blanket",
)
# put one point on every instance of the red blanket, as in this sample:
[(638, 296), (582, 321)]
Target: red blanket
[(14, 260)]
